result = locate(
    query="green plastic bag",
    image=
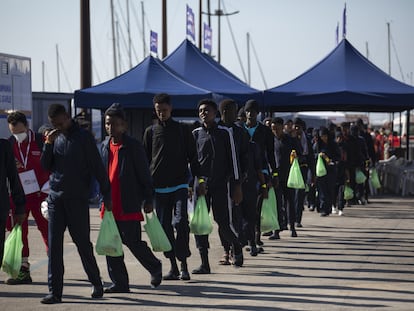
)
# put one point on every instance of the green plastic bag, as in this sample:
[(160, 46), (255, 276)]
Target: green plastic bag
[(201, 223), (109, 241), (320, 167), (295, 179), (373, 174), (268, 216), (359, 176), (348, 193), (156, 234), (12, 258)]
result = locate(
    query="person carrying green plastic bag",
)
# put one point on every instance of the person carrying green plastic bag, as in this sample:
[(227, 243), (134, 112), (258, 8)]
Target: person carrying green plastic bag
[(132, 194), (156, 234), (12, 258), (109, 241)]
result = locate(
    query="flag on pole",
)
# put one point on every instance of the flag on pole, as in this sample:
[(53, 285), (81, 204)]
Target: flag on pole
[(154, 43), (190, 24), (344, 23), (207, 42), (337, 33)]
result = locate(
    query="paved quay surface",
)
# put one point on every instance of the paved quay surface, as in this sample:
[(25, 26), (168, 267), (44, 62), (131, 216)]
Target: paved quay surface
[(363, 260)]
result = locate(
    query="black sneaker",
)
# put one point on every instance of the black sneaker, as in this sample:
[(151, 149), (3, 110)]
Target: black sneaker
[(51, 299), (97, 291), (201, 270), (171, 276), (113, 289), (156, 278), (184, 275), (253, 251), (22, 278), (275, 236)]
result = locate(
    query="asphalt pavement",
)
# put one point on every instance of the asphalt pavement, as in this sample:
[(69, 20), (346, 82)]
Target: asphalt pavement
[(363, 260)]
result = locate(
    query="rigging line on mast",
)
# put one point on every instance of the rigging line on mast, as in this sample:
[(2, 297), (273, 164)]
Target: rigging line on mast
[(95, 43), (124, 41), (396, 56), (235, 44), (122, 37), (65, 74), (124, 19), (142, 36), (97, 74), (139, 30), (258, 63)]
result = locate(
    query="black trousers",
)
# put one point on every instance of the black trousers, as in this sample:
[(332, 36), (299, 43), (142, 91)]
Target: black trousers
[(74, 215), (285, 204), (131, 233), (219, 201), (172, 212), (249, 213), (299, 196)]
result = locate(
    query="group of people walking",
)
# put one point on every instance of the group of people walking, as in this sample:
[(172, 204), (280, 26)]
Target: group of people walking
[(232, 162)]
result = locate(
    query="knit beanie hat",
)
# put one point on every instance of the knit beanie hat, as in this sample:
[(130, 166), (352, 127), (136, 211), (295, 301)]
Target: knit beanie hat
[(252, 104), (116, 110)]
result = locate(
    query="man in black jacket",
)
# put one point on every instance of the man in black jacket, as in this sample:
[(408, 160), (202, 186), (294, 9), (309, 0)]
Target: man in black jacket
[(228, 113), (125, 160), (170, 147), (304, 153), (218, 173), (263, 137), (284, 195), (9, 176), (71, 155)]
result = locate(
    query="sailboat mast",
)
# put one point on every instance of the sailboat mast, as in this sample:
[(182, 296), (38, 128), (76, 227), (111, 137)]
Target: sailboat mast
[(389, 48), (113, 38)]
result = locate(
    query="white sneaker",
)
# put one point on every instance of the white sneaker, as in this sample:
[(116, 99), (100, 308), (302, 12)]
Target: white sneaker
[(340, 213), (334, 210)]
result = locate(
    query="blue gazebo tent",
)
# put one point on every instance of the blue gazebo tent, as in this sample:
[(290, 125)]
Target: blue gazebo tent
[(343, 81), (136, 88), (203, 71)]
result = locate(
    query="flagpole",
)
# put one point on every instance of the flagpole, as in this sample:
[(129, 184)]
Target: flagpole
[(144, 44), (113, 38), (389, 48), (248, 58), (164, 29), (200, 5)]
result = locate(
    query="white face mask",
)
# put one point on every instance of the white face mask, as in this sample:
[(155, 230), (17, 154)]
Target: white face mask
[(20, 137)]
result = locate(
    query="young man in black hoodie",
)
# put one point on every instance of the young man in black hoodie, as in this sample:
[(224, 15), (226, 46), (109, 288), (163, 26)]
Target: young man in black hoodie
[(284, 195), (264, 139), (170, 147), (71, 155), (218, 174), (131, 187), (228, 114)]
